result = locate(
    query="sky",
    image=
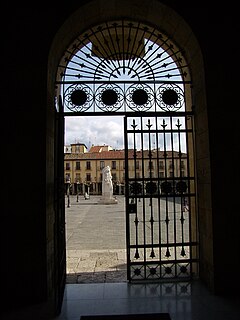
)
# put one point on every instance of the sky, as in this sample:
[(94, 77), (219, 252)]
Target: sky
[(94, 130), (109, 130)]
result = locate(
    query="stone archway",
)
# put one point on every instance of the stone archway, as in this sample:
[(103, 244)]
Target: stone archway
[(168, 20)]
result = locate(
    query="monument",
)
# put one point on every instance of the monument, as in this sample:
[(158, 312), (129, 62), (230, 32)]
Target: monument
[(107, 187)]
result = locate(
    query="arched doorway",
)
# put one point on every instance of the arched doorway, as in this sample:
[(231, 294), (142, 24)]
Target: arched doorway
[(134, 69), (193, 57)]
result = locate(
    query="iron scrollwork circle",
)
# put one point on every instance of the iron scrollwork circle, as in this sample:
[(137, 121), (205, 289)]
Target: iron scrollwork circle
[(170, 97), (140, 97), (78, 97), (166, 187), (151, 187), (181, 187), (109, 97), (135, 188)]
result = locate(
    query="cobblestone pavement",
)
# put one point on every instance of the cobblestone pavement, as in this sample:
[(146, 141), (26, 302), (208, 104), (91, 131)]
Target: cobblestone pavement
[(95, 241)]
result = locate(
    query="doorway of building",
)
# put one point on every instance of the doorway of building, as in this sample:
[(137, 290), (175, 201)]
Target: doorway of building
[(134, 70)]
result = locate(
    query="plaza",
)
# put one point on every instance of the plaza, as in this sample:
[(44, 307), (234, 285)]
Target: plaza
[(96, 236), (95, 240)]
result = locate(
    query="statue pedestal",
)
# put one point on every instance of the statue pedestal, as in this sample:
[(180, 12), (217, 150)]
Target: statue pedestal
[(107, 200)]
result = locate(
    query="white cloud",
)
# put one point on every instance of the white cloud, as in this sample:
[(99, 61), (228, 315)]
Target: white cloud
[(108, 130), (95, 130)]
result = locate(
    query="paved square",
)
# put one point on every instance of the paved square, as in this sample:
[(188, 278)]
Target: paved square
[(95, 240)]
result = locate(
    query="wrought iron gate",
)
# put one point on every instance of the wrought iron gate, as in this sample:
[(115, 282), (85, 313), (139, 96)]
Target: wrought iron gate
[(160, 197)]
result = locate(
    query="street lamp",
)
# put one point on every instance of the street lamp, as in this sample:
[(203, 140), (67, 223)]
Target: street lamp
[(68, 181), (119, 187), (77, 190)]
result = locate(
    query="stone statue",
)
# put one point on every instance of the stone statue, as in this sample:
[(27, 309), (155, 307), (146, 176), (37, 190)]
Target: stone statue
[(107, 187)]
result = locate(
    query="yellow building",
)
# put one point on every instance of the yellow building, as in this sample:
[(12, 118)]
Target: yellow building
[(83, 169)]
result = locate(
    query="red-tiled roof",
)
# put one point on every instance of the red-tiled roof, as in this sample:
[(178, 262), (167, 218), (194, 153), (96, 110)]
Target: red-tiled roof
[(95, 149)]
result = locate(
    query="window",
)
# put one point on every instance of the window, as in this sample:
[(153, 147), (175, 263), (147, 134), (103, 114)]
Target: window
[(88, 177), (161, 165), (102, 165), (67, 166), (150, 165), (77, 165), (114, 177), (137, 165), (88, 165), (114, 165)]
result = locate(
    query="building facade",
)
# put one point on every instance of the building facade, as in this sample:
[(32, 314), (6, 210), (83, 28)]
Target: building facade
[(83, 169)]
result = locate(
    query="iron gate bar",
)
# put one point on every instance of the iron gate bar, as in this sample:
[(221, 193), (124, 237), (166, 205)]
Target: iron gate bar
[(167, 254), (189, 198), (141, 52), (159, 202), (174, 200), (136, 213), (160, 195), (162, 245), (122, 82), (127, 202), (180, 171), (173, 261), (143, 199), (150, 176), (120, 113)]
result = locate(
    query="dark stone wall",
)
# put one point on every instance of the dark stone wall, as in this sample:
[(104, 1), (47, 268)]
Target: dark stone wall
[(24, 226)]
